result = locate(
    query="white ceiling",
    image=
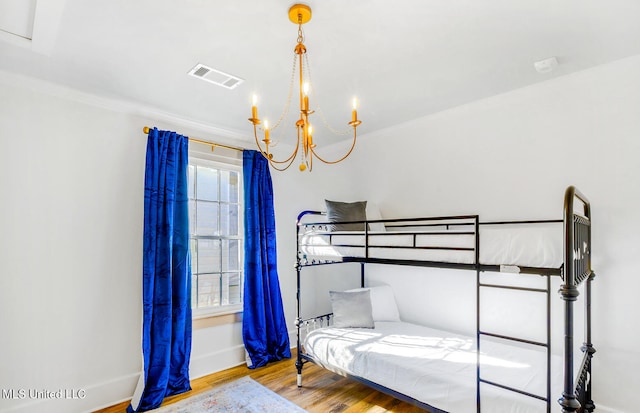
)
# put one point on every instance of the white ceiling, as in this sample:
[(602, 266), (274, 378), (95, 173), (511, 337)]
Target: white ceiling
[(402, 59)]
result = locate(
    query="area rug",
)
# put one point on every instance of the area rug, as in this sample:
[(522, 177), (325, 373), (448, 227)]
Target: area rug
[(242, 395)]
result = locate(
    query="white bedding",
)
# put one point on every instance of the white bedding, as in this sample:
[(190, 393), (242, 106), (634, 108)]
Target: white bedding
[(536, 245), (438, 367)]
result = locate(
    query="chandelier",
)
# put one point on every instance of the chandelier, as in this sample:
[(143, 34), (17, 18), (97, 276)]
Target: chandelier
[(299, 14)]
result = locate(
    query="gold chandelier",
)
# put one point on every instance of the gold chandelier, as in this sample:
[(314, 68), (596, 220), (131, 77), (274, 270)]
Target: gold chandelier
[(298, 14)]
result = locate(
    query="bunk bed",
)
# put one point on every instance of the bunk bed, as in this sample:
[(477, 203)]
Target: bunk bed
[(418, 369)]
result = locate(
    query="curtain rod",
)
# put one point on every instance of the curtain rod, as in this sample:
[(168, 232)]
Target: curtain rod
[(146, 130)]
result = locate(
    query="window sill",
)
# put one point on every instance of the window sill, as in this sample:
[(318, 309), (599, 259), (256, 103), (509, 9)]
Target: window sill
[(207, 318), (208, 313)]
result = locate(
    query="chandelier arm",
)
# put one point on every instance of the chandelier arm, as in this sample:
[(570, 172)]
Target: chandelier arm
[(266, 155), (280, 169), (341, 159), (270, 158), (290, 159)]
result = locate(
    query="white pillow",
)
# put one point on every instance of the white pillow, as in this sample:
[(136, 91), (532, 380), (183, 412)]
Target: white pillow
[(352, 309), (373, 214), (383, 303)]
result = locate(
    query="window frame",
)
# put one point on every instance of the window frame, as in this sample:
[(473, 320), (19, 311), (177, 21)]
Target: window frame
[(198, 158)]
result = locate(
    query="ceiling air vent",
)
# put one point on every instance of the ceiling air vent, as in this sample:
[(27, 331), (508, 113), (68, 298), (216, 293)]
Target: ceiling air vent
[(217, 77)]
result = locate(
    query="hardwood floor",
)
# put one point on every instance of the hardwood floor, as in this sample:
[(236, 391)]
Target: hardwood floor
[(321, 392)]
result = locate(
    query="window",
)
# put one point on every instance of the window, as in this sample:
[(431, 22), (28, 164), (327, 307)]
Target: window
[(216, 235)]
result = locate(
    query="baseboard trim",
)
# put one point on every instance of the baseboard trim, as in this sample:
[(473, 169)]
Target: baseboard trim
[(111, 392), (82, 399), (604, 409), (216, 361)]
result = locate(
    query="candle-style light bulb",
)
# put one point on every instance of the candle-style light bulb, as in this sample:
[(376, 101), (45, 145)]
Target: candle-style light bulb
[(266, 132), (354, 113), (305, 99), (254, 108), (310, 141)]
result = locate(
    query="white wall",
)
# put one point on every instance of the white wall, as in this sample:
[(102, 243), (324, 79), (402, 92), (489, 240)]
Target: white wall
[(510, 157), (71, 217)]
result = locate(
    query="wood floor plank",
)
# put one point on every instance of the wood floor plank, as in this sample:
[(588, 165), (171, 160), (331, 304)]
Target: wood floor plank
[(322, 391)]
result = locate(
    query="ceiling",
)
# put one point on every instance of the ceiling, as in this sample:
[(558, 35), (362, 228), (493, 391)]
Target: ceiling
[(402, 59)]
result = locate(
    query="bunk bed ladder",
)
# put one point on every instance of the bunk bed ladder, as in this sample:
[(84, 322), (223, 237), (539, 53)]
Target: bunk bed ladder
[(480, 333), (544, 344)]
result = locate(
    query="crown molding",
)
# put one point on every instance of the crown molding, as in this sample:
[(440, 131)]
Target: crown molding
[(119, 105)]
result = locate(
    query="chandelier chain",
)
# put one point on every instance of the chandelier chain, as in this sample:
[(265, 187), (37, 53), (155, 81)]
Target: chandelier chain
[(285, 110), (343, 132)]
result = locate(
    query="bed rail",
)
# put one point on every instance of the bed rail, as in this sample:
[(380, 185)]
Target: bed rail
[(424, 236), (442, 242), (315, 322), (305, 326)]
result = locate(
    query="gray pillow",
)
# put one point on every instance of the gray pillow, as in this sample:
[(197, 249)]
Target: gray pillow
[(352, 309), (346, 211)]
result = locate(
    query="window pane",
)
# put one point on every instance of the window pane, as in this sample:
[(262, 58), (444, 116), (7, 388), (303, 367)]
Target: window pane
[(233, 220), (194, 291), (224, 220), (224, 186), (234, 187), (208, 256), (207, 188), (229, 186), (207, 218), (208, 290), (192, 182), (231, 255), (192, 217), (231, 289), (229, 220), (194, 256)]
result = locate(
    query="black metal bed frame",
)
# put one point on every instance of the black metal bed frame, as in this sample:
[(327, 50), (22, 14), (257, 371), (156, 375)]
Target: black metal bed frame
[(576, 394)]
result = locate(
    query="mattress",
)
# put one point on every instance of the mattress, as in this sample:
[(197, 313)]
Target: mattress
[(530, 245), (438, 367)]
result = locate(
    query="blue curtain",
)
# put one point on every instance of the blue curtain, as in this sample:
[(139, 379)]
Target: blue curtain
[(166, 296), (264, 328)]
